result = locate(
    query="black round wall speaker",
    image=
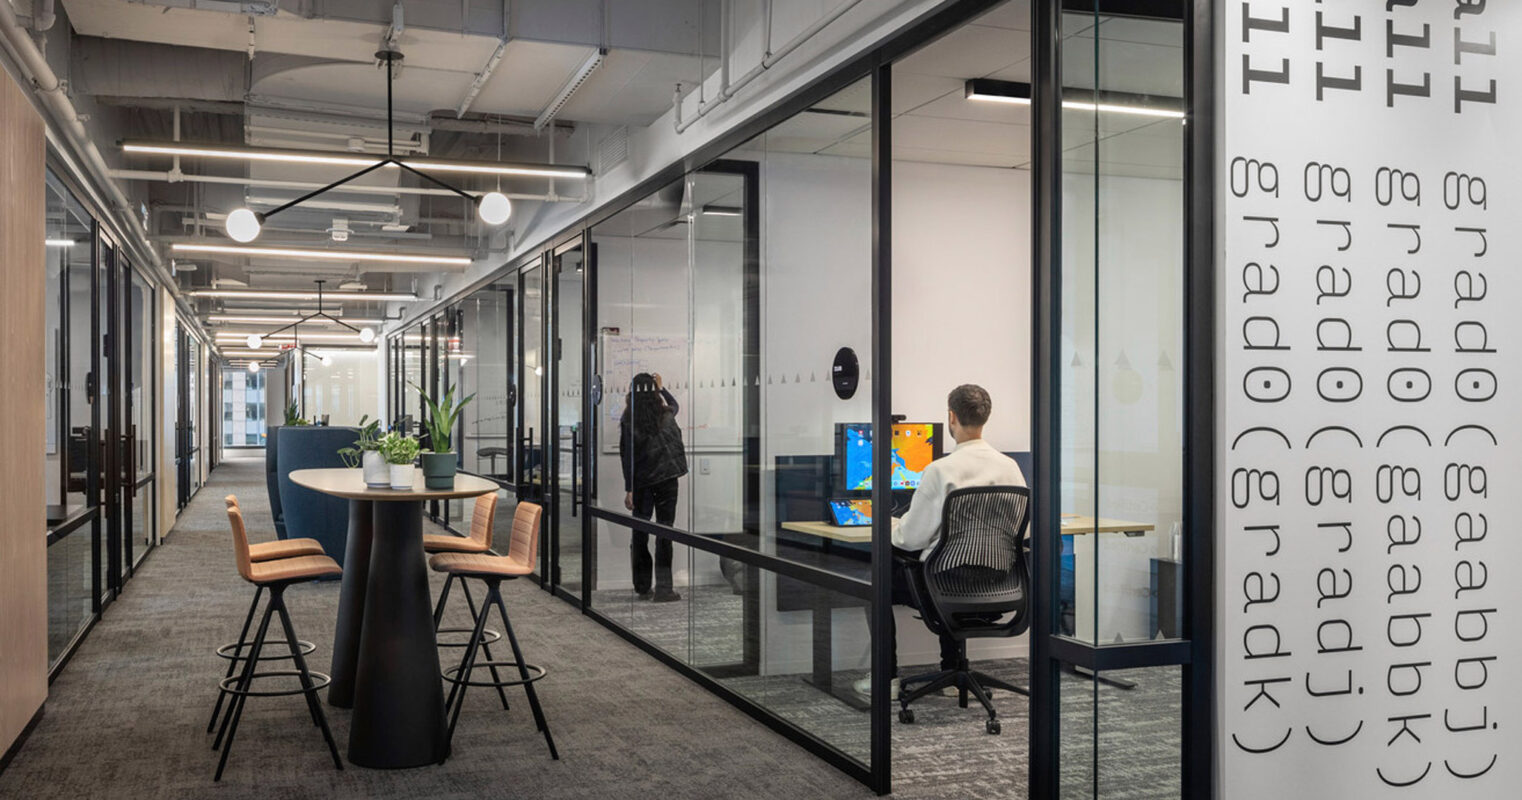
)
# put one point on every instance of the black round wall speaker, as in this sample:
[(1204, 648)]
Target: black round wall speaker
[(846, 373)]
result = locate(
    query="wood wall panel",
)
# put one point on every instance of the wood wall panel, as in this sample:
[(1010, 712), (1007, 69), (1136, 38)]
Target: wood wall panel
[(23, 526)]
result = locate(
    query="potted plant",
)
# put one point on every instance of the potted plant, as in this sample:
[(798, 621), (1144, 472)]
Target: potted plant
[(365, 453), (399, 450), (293, 416), (440, 462)]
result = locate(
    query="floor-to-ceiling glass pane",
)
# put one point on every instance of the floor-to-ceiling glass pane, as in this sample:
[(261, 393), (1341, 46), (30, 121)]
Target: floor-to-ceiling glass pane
[(570, 275), (69, 455), (486, 337), (531, 382), (1122, 379), (141, 427)]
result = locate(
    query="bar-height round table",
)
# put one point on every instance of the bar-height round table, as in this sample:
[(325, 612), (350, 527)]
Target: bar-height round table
[(385, 664)]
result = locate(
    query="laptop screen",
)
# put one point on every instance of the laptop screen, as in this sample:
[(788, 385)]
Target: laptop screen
[(851, 513)]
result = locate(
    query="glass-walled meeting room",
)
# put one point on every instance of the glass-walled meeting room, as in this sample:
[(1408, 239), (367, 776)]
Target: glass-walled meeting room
[(102, 433), (689, 382)]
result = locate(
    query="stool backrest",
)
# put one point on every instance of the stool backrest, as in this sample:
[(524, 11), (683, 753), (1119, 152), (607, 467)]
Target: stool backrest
[(483, 519), (524, 547), (240, 538)]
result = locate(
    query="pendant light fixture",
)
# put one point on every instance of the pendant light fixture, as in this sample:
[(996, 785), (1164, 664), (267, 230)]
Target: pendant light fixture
[(244, 224), (366, 334)]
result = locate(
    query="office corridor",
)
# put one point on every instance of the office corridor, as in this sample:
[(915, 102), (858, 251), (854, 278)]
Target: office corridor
[(126, 718)]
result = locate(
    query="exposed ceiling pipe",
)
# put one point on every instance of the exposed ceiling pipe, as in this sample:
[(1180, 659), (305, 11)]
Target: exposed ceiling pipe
[(234, 180), (51, 92), (43, 16), (491, 66), (767, 62)]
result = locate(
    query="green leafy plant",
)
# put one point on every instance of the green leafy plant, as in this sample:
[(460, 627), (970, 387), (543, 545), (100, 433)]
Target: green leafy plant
[(442, 417), (293, 416), (398, 448), (369, 439)]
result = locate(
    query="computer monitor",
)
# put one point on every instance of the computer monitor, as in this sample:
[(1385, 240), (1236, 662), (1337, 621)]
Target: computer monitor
[(915, 445)]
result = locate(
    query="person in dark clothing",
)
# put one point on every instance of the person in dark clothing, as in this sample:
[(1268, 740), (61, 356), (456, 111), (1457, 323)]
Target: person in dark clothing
[(653, 459)]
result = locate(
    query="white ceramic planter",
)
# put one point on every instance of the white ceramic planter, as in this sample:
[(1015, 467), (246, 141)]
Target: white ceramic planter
[(401, 476), (377, 472)]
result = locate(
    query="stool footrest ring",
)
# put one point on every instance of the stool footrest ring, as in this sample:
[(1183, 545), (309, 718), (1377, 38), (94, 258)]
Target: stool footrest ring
[(452, 674), (231, 651), (487, 637), (230, 685)]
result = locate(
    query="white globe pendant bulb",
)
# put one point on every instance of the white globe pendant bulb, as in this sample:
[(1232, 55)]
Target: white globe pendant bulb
[(243, 225), (255, 341), (367, 335), (253, 368), (494, 208), (327, 361)]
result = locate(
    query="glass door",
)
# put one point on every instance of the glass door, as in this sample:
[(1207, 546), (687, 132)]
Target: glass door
[(531, 383), (112, 371), (566, 409)]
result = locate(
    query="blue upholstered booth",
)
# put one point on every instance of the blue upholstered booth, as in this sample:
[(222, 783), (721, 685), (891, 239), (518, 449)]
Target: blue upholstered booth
[(308, 513), (272, 478)]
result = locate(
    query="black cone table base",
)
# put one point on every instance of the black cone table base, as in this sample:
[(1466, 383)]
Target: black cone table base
[(385, 661)]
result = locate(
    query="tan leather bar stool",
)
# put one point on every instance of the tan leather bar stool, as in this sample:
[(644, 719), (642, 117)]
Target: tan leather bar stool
[(275, 576), (262, 551), (493, 570), (483, 521)]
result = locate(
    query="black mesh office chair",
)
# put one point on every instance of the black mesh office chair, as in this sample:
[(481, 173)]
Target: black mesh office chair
[(974, 583)]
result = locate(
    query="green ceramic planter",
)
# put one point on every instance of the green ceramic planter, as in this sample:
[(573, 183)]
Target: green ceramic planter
[(438, 470)]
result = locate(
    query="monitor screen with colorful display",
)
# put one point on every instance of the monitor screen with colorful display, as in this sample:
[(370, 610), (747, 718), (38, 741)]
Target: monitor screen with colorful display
[(915, 445)]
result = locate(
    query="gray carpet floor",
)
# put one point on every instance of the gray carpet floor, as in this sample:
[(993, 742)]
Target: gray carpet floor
[(126, 716)]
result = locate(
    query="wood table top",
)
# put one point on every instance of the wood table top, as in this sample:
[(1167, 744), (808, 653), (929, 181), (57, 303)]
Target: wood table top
[(350, 483), (1076, 523)]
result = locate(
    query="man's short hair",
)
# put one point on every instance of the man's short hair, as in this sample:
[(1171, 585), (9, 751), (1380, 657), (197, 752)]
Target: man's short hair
[(971, 403)]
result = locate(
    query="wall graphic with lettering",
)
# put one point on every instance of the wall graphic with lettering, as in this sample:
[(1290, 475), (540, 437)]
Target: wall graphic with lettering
[(1370, 435)]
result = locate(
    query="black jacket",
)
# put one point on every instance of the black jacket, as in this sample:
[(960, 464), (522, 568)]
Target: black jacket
[(651, 457)]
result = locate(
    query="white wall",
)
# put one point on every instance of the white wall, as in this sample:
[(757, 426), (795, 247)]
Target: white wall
[(344, 391)]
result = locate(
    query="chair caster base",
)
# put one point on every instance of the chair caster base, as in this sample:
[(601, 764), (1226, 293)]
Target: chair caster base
[(992, 726), (906, 716)]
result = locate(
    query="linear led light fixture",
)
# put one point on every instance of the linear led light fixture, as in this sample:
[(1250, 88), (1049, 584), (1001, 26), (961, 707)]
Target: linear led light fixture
[(297, 294), (285, 156), (274, 320), (326, 255), (61, 242), (721, 211), (1017, 93)]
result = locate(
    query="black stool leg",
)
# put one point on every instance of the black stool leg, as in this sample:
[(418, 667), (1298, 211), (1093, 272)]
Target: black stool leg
[(277, 598), (438, 609), (495, 593), (467, 666), (235, 711), (232, 663), (485, 648)]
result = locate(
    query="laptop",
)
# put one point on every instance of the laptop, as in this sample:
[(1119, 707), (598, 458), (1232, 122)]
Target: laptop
[(851, 513)]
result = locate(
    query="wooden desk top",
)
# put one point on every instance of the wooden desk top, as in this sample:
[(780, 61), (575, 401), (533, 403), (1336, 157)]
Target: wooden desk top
[(350, 483), (1077, 523), (830, 531), (1071, 524)]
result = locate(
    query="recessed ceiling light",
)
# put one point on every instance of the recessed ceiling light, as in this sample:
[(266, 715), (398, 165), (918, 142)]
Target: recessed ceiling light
[(1018, 93)]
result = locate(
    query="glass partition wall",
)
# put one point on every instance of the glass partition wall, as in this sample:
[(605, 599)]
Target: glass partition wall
[(715, 430), (1112, 650), (100, 338), (687, 380)]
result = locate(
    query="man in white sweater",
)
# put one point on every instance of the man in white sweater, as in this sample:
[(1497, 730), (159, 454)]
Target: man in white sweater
[(974, 462)]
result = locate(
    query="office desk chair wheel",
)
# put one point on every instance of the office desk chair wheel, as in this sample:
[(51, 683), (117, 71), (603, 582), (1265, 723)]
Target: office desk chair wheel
[(906, 716), (992, 727)]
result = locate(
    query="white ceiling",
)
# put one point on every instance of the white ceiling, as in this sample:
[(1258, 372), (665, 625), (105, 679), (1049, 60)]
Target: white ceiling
[(935, 122)]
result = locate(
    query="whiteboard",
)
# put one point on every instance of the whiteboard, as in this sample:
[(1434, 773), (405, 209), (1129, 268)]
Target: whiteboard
[(711, 395)]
